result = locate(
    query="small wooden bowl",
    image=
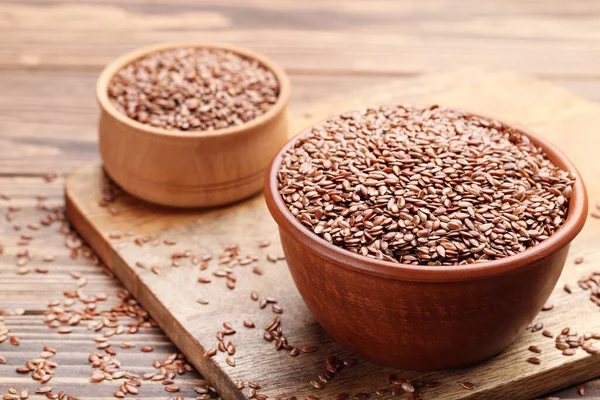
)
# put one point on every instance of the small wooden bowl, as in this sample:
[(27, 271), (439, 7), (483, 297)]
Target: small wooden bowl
[(424, 317), (189, 168)]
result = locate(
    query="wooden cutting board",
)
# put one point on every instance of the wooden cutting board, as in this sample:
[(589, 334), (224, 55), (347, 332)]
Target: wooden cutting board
[(171, 296)]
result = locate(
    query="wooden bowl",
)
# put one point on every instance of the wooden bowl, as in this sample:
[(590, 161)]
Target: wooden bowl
[(189, 168), (424, 317)]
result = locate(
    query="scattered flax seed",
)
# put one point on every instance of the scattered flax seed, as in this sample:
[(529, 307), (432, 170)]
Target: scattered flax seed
[(230, 361), (547, 307), (547, 333), (567, 288), (468, 385), (202, 300), (14, 341), (316, 385), (194, 89), (210, 352), (170, 242), (309, 349), (534, 360), (595, 214), (578, 260), (155, 270), (254, 385), (535, 349), (391, 183), (277, 309), (24, 395), (249, 324), (147, 349), (537, 326), (581, 390)]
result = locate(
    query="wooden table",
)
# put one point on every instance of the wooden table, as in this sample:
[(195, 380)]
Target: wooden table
[(51, 52)]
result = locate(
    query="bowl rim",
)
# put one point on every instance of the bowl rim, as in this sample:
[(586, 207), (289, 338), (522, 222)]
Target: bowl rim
[(114, 66), (573, 224)]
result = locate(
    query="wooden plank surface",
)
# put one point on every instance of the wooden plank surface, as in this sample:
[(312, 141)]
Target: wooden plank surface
[(170, 296), (52, 50)]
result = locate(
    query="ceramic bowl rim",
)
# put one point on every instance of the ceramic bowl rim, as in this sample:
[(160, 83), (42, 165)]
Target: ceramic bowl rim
[(114, 66), (421, 273)]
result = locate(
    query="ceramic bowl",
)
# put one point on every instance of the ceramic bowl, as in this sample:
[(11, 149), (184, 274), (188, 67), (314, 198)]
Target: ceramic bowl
[(423, 317), (189, 168)]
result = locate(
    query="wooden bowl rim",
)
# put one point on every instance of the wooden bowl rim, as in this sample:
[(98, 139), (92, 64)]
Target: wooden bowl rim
[(114, 66), (575, 221)]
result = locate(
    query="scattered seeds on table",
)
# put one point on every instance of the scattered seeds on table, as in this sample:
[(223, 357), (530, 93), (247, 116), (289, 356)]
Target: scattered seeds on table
[(547, 307), (534, 360), (567, 288), (535, 349), (202, 300), (309, 349)]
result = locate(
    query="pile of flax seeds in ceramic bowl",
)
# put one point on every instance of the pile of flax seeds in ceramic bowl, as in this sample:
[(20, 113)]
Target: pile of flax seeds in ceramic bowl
[(423, 186)]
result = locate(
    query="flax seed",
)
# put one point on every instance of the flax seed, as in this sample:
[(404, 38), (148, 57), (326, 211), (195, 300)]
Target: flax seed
[(353, 180), (194, 89), (534, 360), (535, 349), (201, 300), (316, 385), (309, 349)]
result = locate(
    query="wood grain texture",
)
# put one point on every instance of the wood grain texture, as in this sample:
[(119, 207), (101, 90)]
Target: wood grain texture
[(331, 36), (170, 296), (33, 291), (52, 51)]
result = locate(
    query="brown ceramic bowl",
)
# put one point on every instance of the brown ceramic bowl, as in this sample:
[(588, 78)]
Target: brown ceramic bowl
[(423, 317), (189, 168)]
